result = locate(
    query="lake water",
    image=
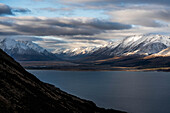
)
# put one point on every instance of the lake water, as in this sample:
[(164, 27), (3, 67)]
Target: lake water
[(134, 92)]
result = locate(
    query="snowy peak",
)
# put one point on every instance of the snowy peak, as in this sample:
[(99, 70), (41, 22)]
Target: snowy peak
[(8, 43), (33, 46), (133, 45), (75, 52), (142, 45), (146, 39), (21, 46), (25, 50)]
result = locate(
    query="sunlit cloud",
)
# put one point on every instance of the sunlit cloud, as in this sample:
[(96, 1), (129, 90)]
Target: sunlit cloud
[(78, 23)]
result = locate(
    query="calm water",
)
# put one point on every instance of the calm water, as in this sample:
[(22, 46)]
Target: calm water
[(134, 92)]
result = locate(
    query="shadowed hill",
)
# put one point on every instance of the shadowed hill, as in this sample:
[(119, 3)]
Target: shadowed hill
[(21, 92)]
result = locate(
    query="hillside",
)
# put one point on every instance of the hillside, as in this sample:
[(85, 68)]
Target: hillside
[(22, 92)]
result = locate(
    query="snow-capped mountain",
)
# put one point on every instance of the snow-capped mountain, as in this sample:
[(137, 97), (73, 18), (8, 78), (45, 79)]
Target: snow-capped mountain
[(25, 50), (74, 53), (135, 45)]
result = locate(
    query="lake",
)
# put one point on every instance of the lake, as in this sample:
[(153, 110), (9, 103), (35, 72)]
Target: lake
[(134, 92)]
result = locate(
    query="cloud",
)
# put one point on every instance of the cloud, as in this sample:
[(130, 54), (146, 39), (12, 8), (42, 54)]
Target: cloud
[(20, 10), (42, 26), (144, 17), (113, 19), (105, 25), (106, 2), (105, 5), (5, 10)]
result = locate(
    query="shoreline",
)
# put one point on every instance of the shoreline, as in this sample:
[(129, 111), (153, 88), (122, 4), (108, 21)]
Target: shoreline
[(163, 69)]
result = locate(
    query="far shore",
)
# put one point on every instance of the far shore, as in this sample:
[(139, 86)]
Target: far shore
[(162, 69)]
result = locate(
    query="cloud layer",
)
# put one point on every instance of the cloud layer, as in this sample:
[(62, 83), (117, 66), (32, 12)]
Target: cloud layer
[(42, 26), (106, 2), (143, 17)]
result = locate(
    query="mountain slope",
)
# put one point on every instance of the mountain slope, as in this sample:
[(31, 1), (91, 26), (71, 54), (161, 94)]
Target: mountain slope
[(164, 53), (76, 53), (21, 92), (133, 45), (25, 50)]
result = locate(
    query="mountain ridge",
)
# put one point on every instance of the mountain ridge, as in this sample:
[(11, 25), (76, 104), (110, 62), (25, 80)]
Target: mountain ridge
[(26, 50), (138, 45), (132, 45)]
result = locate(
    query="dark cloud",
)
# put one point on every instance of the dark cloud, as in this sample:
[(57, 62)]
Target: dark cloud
[(8, 33), (20, 10), (58, 26), (105, 25), (5, 23), (5, 10)]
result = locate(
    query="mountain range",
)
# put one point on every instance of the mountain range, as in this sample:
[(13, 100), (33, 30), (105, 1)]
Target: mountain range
[(144, 45), (26, 50), (137, 50)]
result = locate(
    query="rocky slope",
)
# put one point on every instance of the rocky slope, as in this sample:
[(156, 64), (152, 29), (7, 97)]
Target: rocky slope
[(21, 92)]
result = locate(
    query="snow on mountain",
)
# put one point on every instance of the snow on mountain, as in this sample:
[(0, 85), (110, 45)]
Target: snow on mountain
[(74, 53), (146, 44), (11, 44), (133, 45), (137, 44), (25, 50)]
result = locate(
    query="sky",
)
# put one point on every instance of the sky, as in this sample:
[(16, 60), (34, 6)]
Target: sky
[(55, 24)]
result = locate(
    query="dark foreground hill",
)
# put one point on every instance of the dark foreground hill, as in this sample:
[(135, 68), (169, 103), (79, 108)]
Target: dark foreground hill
[(21, 92)]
